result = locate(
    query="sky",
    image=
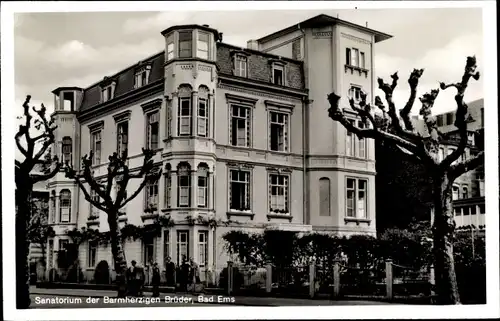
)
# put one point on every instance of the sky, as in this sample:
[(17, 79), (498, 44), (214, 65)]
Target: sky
[(80, 48)]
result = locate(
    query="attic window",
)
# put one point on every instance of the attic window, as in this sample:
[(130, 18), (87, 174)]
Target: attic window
[(107, 93), (142, 76), (278, 73)]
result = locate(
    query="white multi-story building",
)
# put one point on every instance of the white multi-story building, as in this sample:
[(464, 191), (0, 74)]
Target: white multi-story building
[(242, 134)]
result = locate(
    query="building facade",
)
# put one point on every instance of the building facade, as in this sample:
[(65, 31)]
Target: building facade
[(242, 136)]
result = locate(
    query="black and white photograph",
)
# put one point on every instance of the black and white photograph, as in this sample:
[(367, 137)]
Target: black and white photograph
[(326, 159)]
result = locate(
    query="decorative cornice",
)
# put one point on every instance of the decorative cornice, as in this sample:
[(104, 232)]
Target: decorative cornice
[(231, 98), (96, 126), (123, 116), (279, 170), (240, 165), (241, 52), (280, 106), (255, 92), (277, 62), (107, 81), (266, 86), (151, 105), (354, 38), (322, 34), (142, 66)]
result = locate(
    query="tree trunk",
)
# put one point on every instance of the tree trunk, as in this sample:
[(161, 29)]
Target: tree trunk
[(443, 230), (44, 263), (23, 214), (118, 254)]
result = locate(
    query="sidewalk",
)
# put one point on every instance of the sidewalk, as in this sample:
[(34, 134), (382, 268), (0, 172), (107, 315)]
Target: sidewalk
[(242, 301)]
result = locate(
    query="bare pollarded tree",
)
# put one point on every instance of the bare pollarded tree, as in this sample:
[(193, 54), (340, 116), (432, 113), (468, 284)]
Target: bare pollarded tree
[(118, 175), (35, 148), (425, 149)]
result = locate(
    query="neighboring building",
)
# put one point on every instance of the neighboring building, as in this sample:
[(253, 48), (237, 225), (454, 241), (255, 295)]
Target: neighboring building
[(242, 134)]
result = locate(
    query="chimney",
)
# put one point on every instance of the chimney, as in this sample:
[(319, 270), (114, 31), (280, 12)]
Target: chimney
[(206, 26), (253, 44)]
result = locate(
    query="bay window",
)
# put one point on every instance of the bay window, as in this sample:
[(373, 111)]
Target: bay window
[(356, 198), (184, 185)]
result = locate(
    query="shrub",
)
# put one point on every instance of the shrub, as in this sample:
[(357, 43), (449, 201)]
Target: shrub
[(101, 273)]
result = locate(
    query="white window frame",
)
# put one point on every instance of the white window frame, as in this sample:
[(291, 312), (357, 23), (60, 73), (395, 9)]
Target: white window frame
[(247, 118), (152, 117), (285, 126), (362, 144), (62, 208), (107, 93), (279, 67), (184, 129), (184, 192), (96, 140), (121, 143), (202, 120), (202, 248), (350, 145), (142, 77), (202, 192), (92, 259), (354, 210), (151, 197), (247, 181), (170, 51), (67, 156), (168, 189), (354, 57), (190, 41), (181, 244), (277, 182), (241, 66), (95, 197), (203, 54), (169, 119)]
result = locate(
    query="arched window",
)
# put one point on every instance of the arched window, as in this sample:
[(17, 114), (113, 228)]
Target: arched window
[(184, 184), (203, 112), (202, 185), (324, 196), (184, 113), (455, 192), (66, 149), (465, 192), (65, 206)]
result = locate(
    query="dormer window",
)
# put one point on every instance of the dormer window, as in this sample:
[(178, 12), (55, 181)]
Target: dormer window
[(278, 74), (202, 45), (142, 76), (240, 66), (107, 93), (185, 44)]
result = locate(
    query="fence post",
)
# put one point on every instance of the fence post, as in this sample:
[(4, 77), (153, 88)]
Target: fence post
[(269, 278), (229, 277), (336, 279), (388, 278), (312, 283)]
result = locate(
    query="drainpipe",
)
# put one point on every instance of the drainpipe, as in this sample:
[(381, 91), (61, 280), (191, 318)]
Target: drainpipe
[(305, 150)]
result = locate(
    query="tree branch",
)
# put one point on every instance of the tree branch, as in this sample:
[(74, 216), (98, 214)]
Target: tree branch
[(460, 121), (43, 177), (405, 112), (139, 189), (463, 167)]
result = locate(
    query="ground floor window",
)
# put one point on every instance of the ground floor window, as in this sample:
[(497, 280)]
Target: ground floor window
[(149, 250), (182, 246), (202, 248)]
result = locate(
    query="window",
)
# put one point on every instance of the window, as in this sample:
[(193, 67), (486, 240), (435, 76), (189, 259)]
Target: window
[(240, 66), (168, 189), (457, 211), (473, 210), (53, 208), (94, 211), (482, 209), (324, 196), (355, 93), (465, 210), (107, 93), (122, 137), (239, 190), (203, 117), (92, 255), (240, 126), (350, 146), (169, 119), (149, 251), (439, 120), (352, 57), (141, 79), (278, 193), (465, 192), (278, 75), (184, 185), (202, 47), (151, 195), (96, 147), (455, 192), (449, 118), (356, 203), (182, 246), (63, 245), (166, 246), (202, 186), (185, 44), (278, 131), (202, 248), (170, 48), (361, 143), (362, 59), (65, 206), (184, 116), (66, 150), (153, 130)]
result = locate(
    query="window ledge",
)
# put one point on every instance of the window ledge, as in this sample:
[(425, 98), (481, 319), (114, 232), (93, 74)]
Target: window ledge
[(279, 216), (240, 213), (145, 217), (358, 69), (357, 220)]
